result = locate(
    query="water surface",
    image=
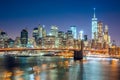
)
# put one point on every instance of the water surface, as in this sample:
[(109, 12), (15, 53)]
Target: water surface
[(56, 68)]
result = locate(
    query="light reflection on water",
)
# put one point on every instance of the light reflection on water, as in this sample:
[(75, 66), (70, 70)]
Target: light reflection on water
[(55, 68)]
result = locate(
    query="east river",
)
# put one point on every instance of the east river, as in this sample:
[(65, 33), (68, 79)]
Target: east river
[(58, 68)]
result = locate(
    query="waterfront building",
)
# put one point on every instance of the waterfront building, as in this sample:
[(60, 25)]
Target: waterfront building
[(74, 31), (24, 38)]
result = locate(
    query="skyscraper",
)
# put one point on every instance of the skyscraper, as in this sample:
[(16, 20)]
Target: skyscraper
[(60, 34), (81, 34), (106, 35), (54, 31), (40, 31), (24, 38), (3, 39), (74, 31), (94, 26), (35, 33), (69, 34), (100, 32)]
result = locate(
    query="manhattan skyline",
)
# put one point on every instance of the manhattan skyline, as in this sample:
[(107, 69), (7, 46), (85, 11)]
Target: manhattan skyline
[(20, 14)]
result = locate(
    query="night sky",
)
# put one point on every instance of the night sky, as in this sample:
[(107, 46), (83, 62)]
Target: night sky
[(16, 15)]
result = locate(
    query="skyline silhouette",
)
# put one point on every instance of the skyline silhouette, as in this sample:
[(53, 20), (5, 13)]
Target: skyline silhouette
[(17, 15)]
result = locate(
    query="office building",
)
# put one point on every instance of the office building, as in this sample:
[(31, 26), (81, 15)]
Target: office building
[(54, 31), (24, 38), (61, 34), (69, 39), (100, 32), (49, 41), (41, 31), (74, 31), (17, 42), (81, 35), (94, 26), (35, 33), (10, 43), (3, 39)]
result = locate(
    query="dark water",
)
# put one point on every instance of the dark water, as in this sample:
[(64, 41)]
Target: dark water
[(56, 68)]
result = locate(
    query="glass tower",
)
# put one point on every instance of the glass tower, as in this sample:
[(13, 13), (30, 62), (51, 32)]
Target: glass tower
[(74, 31), (24, 38), (54, 31), (94, 26)]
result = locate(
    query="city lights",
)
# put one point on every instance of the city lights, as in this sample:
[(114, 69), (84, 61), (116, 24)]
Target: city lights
[(100, 42)]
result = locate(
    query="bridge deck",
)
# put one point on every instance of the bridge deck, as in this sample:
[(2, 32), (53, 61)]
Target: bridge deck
[(42, 49)]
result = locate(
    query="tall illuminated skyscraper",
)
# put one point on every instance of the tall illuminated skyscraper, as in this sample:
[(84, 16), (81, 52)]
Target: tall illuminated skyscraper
[(106, 35), (54, 31), (100, 32), (81, 35), (40, 30), (94, 26), (74, 31)]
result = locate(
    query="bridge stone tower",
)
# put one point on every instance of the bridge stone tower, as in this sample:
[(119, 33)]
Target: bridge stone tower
[(78, 54)]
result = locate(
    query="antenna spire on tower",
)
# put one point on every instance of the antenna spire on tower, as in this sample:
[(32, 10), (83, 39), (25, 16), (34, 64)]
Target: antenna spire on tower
[(94, 12)]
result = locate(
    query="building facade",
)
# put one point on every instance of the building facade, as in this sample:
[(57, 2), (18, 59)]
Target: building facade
[(54, 31), (74, 31), (94, 26), (3, 39), (24, 38)]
